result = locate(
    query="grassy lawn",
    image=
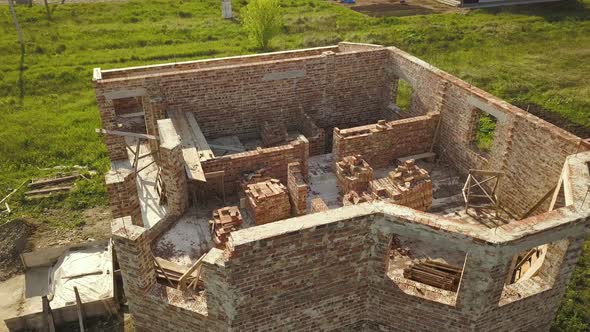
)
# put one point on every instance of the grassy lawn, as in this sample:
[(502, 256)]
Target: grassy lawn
[(527, 55)]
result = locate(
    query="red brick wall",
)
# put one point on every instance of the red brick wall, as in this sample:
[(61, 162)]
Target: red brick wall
[(380, 145), (530, 151), (335, 89), (122, 193), (235, 165)]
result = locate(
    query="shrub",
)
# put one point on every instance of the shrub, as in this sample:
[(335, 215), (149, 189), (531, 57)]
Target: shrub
[(262, 20)]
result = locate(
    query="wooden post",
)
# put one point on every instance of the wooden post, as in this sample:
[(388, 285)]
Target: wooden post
[(48, 315), (81, 312), (182, 281)]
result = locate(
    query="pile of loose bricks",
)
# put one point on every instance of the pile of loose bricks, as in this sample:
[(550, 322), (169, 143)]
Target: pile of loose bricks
[(407, 185), (267, 201), (273, 133), (318, 205), (225, 221), (354, 174)]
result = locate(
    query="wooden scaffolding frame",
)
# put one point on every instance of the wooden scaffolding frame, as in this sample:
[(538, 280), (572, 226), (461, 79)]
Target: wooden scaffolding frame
[(474, 188)]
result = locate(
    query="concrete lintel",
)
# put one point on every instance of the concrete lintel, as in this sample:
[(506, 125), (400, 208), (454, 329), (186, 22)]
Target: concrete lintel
[(169, 138), (488, 108), (125, 93)]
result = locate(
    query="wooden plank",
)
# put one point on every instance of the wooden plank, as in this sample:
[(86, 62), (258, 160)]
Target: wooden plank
[(125, 134), (483, 172), (80, 309), (190, 153), (48, 315), (48, 190), (202, 145), (183, 279), (46, 182)]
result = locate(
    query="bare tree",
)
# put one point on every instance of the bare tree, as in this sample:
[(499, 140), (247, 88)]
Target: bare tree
[(18, 29)]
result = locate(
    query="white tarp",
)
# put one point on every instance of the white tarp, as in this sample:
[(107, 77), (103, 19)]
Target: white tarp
[(89, 269)]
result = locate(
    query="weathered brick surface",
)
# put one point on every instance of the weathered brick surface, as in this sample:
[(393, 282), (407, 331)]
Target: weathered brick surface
[(328, 272), (530, 151), (297, 189), (174, 177), (381, 143), (122, 192), (275, 159), (233, 96)]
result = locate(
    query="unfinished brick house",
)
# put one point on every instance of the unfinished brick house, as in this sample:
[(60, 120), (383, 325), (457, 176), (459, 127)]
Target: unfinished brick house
[(229, 215)]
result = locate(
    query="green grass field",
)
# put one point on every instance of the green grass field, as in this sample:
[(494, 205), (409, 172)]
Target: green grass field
[(527, 55)]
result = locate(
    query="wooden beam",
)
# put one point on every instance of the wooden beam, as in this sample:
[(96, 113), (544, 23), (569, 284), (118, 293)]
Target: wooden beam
[(483, 172), (46, 182), (540, 202), (12, 192), (48, 315), (183, 279), (200, 140), (125, 134), (48, 190), (190, 153)]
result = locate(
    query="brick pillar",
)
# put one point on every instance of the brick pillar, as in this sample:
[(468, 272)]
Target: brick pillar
[(174, 179), (135, 258), (115, 144), (122, 193), (303, 144), (297, 189), (482, 283)]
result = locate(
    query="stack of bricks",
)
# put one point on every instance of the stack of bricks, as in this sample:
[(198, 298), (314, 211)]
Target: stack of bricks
[(353, 198), (297, 189), (407, 185), (354, 174), (273, 133), (267, 201), (225, 221), (318, 205), (259, 175)]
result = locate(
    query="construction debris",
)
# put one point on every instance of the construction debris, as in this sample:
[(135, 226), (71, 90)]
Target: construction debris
[(225, 221), (267, 201), (46, 186), (435, 274), (353, 198), (318, 205), (407, 185)]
